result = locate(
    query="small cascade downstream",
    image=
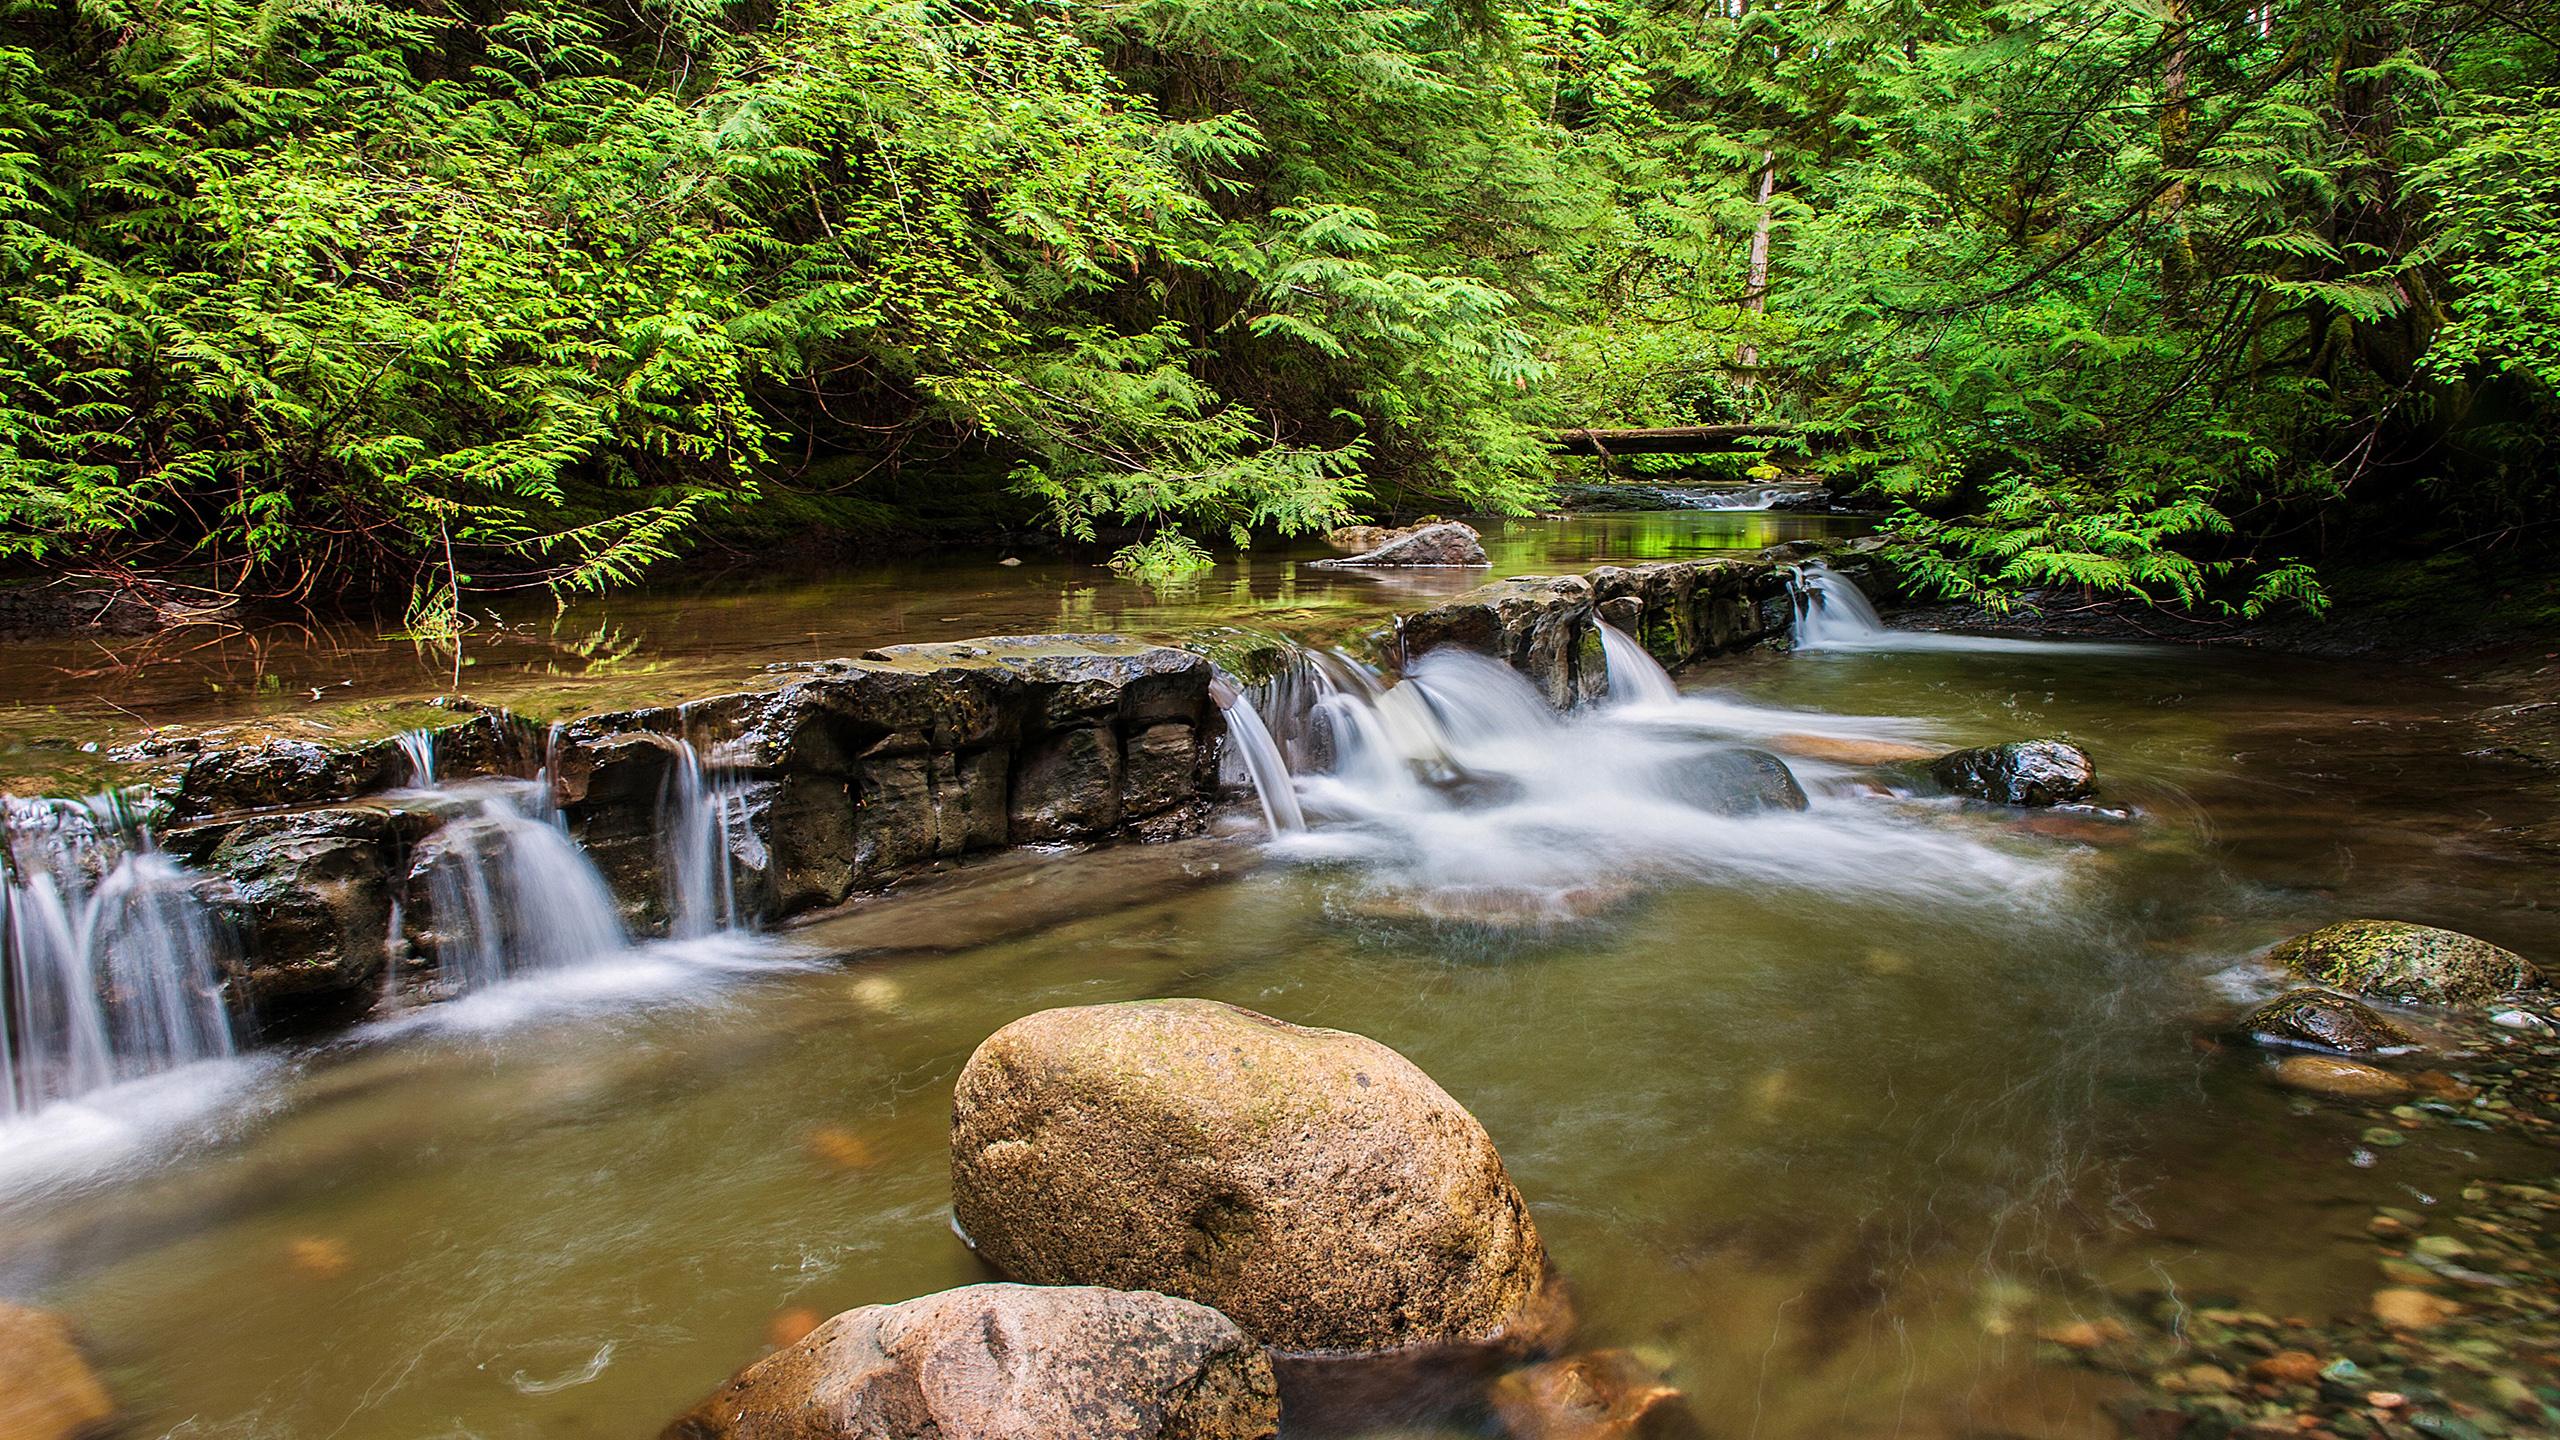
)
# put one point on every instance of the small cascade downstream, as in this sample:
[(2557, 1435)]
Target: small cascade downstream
[(1258, 754), (109, 957), (1456, 793), (511, 893), (1635, 677), (700, 834), (512, 896), (1832, 613)]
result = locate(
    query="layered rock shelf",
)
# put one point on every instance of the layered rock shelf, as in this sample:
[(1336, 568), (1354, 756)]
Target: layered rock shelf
[(838, 776), (1547, 627), (843, 775)]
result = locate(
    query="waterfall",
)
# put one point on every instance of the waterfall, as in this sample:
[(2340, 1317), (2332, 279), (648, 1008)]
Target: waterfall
[(1635, 677), (698, 830), (104, 980), (418, 748), (1458, 795), (1831, 612), (1260, 755), (512, 894)]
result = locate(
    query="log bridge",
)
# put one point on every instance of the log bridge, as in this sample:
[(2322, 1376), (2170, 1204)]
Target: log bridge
[(1664, 440)]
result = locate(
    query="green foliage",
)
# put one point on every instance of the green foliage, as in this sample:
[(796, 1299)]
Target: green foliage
[(310, 295)]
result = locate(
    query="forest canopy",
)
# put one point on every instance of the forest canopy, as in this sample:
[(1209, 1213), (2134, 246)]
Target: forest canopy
[(318, 298)]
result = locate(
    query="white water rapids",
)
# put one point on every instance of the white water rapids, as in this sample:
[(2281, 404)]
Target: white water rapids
[(1458, 795)]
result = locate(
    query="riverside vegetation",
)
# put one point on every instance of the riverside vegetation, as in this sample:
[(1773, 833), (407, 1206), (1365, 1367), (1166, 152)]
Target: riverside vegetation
[(411, 303)]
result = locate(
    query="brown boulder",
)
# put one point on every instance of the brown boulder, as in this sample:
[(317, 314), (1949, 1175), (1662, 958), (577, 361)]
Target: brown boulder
[(1004, 1362), (2404, 1309), (47, 1392), (1312, 1184), (1849, 749)]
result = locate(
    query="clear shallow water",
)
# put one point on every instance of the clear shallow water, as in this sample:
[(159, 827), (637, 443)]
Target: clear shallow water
[(1828, 1129), (684, 635)]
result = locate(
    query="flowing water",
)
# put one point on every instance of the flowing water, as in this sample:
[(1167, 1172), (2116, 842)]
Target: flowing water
[(1824, 1109), (106, 958)]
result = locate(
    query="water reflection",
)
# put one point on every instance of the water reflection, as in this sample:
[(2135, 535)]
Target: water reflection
[(717, 626)]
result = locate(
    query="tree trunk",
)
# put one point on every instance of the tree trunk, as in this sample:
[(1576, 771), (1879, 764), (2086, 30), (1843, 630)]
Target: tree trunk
[(2177, 152), (1755, 289)]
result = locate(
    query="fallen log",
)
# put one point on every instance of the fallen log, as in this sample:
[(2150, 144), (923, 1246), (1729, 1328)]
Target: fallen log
[(1663, 440)]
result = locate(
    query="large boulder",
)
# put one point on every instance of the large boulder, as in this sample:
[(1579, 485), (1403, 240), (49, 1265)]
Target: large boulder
[(1004, 1362), (2322, 1021), (1314, 1185), (1445, 545), (2022, 772), (47, 1391), (1739, 781), (2395, 960)]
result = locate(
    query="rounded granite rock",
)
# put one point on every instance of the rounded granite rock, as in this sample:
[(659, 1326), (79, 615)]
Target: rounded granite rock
[(1312, 1184), (1004, 1362)]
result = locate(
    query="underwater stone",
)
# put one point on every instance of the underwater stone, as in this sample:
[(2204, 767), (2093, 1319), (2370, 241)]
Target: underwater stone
[(1004, 1362), (1739, 781), (2021, 772), (2340, 1079), (2400, 961), (47, 1391), (1313, 1184), (1604, 1395)]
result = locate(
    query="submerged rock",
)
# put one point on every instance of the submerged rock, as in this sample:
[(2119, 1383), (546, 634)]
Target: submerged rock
[(1312, 1184), (2400, 961), (1740, 781), (1446, 544), (47, 1391), (2022, 772), (1849, 749), (2323, 1021), (1605, 1395), (2340, 1079), (1004, 1362), (2404, 1309)]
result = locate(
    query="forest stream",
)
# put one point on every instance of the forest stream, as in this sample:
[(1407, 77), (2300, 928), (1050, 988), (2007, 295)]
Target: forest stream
[(1893, 1115)]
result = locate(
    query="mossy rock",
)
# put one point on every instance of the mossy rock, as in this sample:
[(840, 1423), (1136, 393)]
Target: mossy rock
[(2400, 961)]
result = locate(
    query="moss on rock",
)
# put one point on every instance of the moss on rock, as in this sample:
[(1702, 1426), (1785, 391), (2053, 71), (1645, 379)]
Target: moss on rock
[(2401, 961)]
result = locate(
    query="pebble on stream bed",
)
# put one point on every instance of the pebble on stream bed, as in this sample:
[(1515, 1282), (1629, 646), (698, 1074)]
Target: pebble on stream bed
[(2462, 1338)]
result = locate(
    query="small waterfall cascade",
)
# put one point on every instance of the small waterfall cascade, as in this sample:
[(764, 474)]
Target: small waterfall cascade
[(700, 828), (511, 893), (1635, 677), (107, 956), (1260, 756), (1831, 612), (1457, 794), (418, 749)]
